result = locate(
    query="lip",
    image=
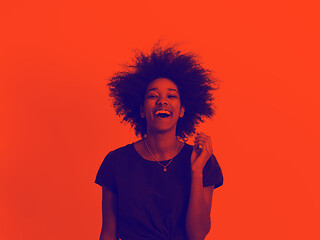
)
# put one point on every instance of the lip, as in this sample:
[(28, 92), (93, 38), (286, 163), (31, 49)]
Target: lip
[(161, 108)]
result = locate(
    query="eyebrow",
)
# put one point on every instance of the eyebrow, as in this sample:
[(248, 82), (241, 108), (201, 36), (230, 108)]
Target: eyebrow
[(170, 89)]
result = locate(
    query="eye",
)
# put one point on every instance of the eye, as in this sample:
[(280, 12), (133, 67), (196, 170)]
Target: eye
[(172, 96), (152, 96)]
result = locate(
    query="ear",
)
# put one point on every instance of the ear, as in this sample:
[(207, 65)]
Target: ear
[(141, 112), (182, 109)]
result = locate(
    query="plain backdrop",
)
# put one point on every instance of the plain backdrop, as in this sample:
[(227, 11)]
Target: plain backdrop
[(57, 122)]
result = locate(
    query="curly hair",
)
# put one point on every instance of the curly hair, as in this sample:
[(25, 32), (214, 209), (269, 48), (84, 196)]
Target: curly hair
[(194, 82)]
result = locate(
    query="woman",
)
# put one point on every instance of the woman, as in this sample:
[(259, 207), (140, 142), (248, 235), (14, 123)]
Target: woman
[(160, 187)]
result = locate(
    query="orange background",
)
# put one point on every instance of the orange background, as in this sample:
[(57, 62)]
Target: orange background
[(57, 123)]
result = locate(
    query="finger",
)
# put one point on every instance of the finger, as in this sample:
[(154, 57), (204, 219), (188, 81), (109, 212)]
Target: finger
[(202, 136), (200, 143), (203, 140), (198, 146), (203, 145)]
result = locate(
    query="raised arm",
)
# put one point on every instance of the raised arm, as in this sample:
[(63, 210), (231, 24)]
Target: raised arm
[(109, 215)]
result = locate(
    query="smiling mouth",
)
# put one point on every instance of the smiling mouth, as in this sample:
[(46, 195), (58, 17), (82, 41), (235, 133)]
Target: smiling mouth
[(162, 113)]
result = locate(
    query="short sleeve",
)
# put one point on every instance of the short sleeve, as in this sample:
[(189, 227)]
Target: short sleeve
[(106, 175), (212, 174)]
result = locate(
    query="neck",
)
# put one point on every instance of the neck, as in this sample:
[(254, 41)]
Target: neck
[(162, 145)]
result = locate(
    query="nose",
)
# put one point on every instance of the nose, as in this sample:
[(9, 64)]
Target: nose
[(162, 101)]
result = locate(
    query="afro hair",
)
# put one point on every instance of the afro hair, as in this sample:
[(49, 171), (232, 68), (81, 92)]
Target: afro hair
[(194, 82)]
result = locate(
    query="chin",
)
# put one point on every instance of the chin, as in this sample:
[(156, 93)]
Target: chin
[(163, 129)]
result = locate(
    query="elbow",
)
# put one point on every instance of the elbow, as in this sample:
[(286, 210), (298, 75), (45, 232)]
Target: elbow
[(206, 229), (205, 233), (199, 235), (107, 235)]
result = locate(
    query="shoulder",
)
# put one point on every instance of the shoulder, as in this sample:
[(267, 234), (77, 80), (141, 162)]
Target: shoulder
[(188, 151), (187, 148), (117, 157), (120, 152)]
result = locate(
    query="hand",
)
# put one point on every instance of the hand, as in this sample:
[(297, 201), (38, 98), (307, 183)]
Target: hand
[(201, 153)]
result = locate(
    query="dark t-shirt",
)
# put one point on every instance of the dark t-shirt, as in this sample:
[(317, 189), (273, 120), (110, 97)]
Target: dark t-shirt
[(152, 203)]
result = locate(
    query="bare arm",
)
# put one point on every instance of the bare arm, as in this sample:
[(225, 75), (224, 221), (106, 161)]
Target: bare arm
[(198, 215), (198, 220), (109, 215)]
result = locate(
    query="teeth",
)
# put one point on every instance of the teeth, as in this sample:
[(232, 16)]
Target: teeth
[(162, 112)]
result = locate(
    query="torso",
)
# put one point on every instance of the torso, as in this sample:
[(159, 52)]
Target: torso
[(152, 203), (143, 152)]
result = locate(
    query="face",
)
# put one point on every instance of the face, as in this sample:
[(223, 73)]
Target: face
[(162, 106)]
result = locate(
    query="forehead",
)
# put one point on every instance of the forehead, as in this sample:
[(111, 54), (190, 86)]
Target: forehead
[(162, 84)]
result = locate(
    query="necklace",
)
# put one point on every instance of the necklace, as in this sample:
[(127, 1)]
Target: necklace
[(164, 166)]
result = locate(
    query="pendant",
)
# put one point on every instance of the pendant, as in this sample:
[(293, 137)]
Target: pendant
[(165, 169)]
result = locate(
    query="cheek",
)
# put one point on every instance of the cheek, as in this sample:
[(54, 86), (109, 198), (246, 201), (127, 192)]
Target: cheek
[(148, 111), (177, 111)]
